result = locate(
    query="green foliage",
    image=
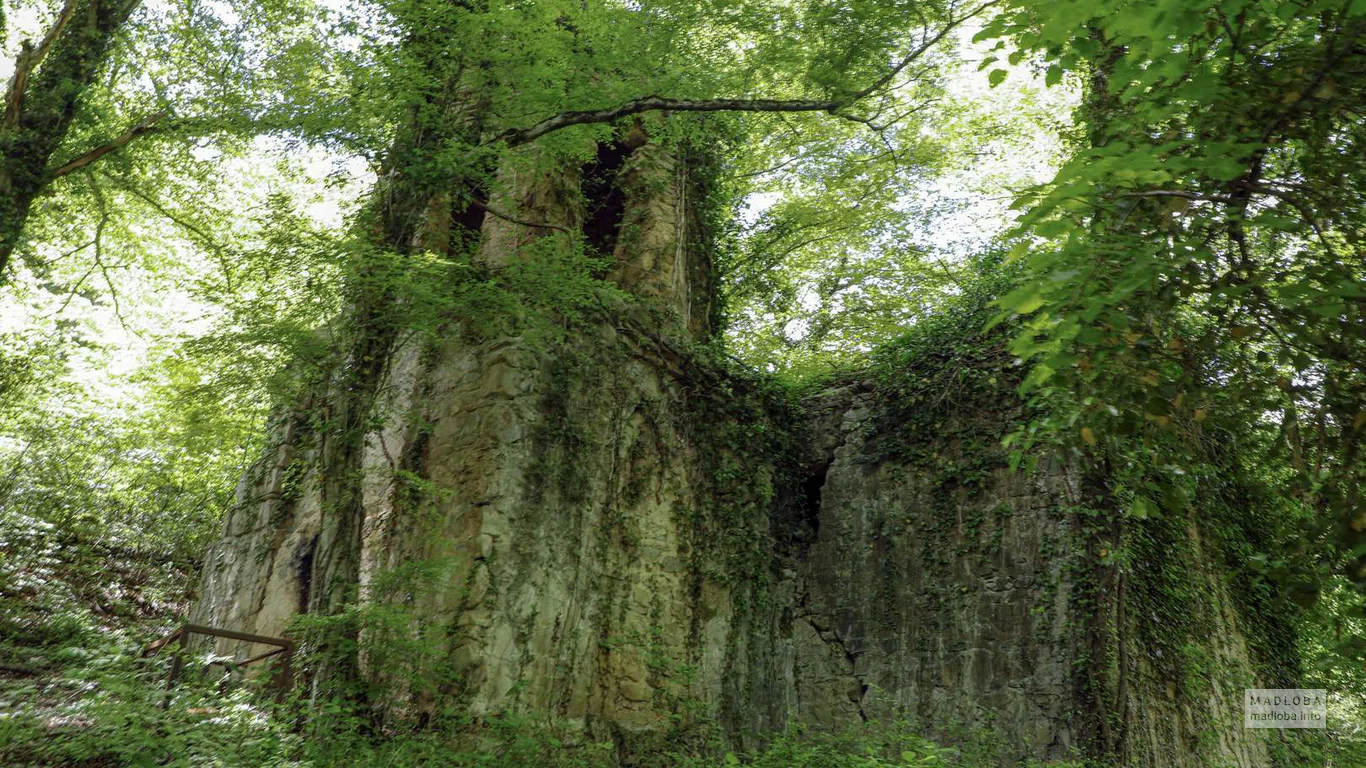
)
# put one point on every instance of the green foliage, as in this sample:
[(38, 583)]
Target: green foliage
[(117, 719), (64, 597), (145, 475), (828, 268), (847, 234), (747, 431), (1187, 299), (875, 745), (1192, 309), (953, 353), (1197, 272)]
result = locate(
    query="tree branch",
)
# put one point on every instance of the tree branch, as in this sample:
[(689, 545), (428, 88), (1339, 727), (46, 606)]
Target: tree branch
[(517, 136), (99, 251), (1196, 196), (28, 60), (121, 140), (205, 238), (1300, 207)]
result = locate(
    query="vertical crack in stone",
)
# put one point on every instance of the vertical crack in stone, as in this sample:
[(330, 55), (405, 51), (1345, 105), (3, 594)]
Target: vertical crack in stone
[(860, 688), (809, 502), (303, 570)]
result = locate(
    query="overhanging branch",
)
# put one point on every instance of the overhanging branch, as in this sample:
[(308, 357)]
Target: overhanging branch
[(517, 136), (121, 140)]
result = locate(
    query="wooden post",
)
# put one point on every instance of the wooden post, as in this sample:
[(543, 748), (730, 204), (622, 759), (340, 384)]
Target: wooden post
[(284, 676), (177, 661)]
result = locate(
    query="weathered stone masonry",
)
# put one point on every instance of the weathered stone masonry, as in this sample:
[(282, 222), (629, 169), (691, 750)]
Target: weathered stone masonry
[(596, 566)]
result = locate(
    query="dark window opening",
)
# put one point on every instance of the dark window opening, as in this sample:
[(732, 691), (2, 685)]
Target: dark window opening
[(468, 219), (605, 201), (797, 517)]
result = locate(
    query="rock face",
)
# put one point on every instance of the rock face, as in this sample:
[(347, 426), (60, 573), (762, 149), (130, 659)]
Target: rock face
[(944, 589), (607, 532), (948, 599), (559, 539)]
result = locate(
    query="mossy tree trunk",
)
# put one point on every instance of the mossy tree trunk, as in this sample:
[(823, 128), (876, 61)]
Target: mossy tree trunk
[(40, 104)]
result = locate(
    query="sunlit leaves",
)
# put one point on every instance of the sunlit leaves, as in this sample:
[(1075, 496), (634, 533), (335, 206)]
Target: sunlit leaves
[(1198, 267)]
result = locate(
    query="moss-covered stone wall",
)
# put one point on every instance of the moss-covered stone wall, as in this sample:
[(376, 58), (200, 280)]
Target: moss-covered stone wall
[(609, 528)]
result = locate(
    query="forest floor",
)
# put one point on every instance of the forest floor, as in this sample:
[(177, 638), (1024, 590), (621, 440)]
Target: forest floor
[(76, 691)]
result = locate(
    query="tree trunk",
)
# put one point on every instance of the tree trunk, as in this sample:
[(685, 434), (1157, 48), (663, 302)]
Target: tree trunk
[(41, 101)]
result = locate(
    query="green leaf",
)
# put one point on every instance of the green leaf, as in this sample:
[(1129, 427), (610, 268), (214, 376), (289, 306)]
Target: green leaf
[(1142, 508), (1037, 376), (1329, 310), (996, 77), (1022, 300), (1158, 406)]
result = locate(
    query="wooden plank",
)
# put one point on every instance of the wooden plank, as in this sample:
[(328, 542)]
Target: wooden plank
[(156, 645), (265, 655), (245, 637), (283, 678)]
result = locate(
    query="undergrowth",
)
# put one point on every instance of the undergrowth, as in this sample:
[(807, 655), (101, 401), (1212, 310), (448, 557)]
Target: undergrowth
[(76, 691)]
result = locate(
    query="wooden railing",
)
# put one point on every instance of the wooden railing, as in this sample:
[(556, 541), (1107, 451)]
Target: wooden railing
[(282, 680)]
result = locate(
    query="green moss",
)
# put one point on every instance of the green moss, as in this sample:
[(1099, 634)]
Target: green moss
[(745, 430), (559, 440)]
